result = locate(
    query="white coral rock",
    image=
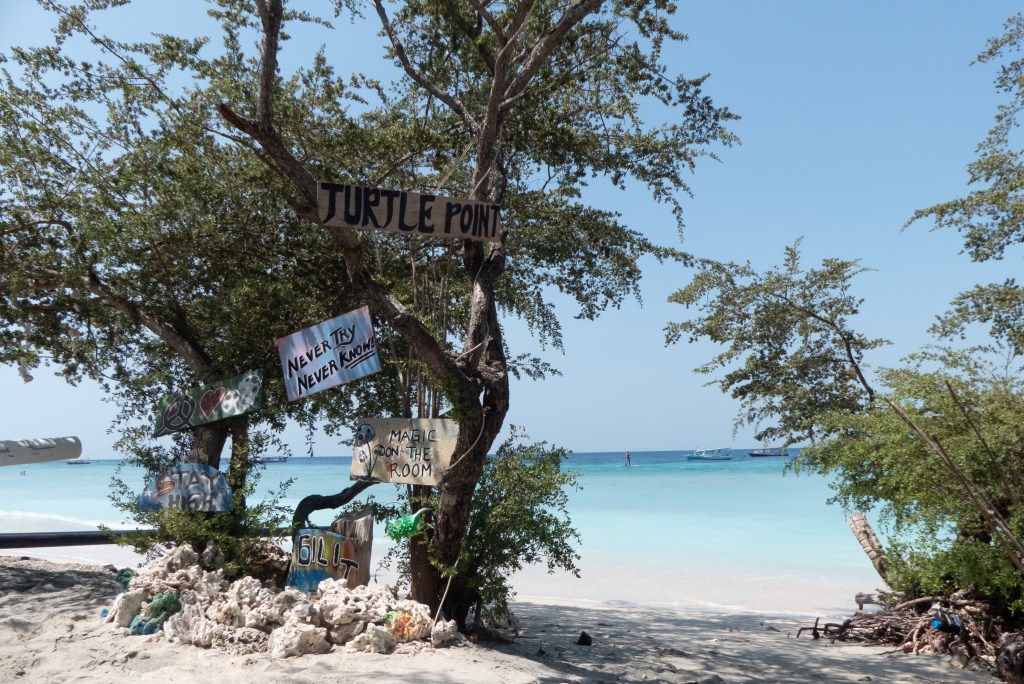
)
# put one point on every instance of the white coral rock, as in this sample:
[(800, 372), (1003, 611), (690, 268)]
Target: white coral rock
[(126, 607), (190, 626), (275, 611), (248, 591), (340, 605), (211, 584), (411, 621), (174, 560), (375, 639), (242, 641), (342, 634), (296, 638), (213, 557), (228, 613), (446, 634)]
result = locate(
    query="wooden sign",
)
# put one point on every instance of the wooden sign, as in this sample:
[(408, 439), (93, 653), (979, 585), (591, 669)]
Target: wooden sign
[(22, 451), (403, 450), (209, 403), (357, 528), (318, 555), (328, 354), (397, 211), (188, 487)]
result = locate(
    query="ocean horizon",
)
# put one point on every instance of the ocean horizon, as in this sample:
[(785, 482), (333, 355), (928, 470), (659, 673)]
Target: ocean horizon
[(719, 536)]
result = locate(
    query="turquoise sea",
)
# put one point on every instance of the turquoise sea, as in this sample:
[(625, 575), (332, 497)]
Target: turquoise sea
[(734, 535)]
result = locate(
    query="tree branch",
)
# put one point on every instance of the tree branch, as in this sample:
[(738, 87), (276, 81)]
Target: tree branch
[(984, 443), (454, 103), (316, 502), (543, 48), (473, 32), (195, 357), (1010, 542), (481, 10), (281, 160), (271, 16)]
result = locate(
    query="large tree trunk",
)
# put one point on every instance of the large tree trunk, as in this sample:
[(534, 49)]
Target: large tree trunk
[(423, 587), (456, 496), (208, 443)]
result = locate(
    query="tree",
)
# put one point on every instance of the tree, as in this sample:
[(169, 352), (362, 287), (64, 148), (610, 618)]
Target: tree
[(518, 104), (795, 361), (530, 91), (991, 216)]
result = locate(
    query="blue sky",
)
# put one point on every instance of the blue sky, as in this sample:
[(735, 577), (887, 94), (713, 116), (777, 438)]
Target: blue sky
[(854, 115)]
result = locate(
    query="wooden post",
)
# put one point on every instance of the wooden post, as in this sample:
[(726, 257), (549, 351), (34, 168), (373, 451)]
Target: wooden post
[(357, 527)]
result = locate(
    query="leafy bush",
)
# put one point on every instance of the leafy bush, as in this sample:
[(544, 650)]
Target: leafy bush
[(519, 518)]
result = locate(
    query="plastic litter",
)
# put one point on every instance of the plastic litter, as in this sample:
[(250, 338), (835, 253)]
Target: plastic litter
[(159, 609), (407, 525)]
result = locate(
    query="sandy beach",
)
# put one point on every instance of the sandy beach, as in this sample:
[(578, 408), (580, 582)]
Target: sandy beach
[(51, 630)]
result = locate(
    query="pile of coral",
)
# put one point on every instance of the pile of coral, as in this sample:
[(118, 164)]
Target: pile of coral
[(195, 606)]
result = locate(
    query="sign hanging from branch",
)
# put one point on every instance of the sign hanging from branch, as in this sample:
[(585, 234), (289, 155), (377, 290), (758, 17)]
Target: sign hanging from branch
[(404, 450), (209, 403), (397, 211), (329, 354), (188, 487)]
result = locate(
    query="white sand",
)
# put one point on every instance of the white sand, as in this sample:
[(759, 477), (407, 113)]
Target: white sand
[(51, 631)]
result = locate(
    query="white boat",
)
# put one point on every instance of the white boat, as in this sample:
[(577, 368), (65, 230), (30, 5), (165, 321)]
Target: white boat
[(271, 459), (764, 452), (723, 454), (80, 461)]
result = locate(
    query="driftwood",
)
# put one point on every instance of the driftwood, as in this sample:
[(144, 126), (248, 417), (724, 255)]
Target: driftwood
[(357, 527), (1010, 659), (966, 630), (971, 632), (316, 502)]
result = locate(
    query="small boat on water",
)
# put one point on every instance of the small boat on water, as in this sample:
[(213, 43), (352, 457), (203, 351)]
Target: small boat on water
[(723, 454), (766, 452), (271, 459), (80, 461)]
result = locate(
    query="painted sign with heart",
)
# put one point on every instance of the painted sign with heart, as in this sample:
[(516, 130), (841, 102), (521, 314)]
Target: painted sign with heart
[(209, 403), (318, 555), (188, 487)]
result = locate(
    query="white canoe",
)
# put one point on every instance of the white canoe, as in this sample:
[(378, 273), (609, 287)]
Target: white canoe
[(22, 451)]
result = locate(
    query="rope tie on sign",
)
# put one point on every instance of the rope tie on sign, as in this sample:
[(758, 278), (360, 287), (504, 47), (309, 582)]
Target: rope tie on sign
[(483, 424)]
